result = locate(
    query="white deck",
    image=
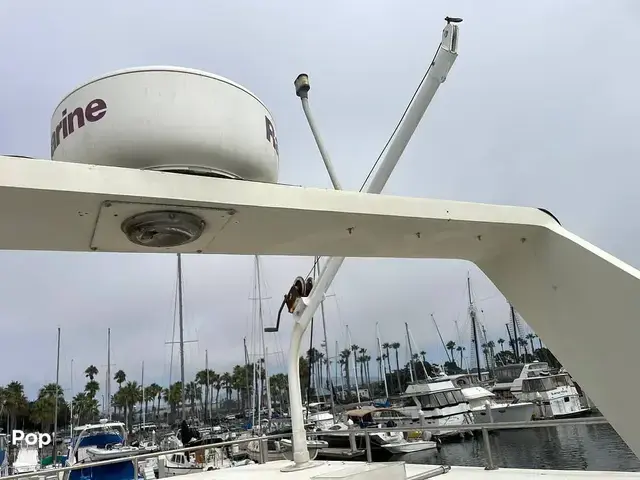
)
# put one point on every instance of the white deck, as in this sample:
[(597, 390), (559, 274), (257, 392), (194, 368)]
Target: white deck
[(271, 471)]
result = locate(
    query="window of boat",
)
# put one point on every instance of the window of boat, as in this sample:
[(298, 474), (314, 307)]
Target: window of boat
[(428, 401), (457, 394), (407, 402), (508, 374), (534, 385), (560, 381), (451, 399), (441, 398)]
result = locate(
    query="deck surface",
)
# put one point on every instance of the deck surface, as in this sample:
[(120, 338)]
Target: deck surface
[(271, 471)]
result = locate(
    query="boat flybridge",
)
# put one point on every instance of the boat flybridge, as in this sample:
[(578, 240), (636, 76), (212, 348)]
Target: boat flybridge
[(141, 166), (441, 403)]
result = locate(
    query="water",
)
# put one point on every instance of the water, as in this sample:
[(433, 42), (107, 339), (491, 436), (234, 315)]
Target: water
[(572, 447)]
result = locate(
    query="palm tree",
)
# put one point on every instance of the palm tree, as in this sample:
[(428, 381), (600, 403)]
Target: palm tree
[(43, 409), (92, 387), (346, 355), (151, 392), (485, 352), (279, 384), (386, 347), (120, 377), (524, 344), (361, 359), (91, 372), (354, 349), (530, 337), (149, 396), (15, 402), (501, 342), (86, 408), (396, 346), (205, 378), (451, 346), (491, 345), (172, 397), (423, 354), (461, 349), (131, 394)]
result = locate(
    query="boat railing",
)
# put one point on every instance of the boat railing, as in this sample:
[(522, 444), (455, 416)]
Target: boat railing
[(484, 428)]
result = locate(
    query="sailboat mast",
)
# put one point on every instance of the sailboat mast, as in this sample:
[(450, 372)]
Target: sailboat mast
[(142, 388), (384, 375), (326, 351), (55, 411), (264, 346), (108, 382), (446, 351), (338, 367), (355, 370), (246, 371), (208, 387), (71, 402), (412, 341), (411, 372), (516, 347), (181, 320), (472, 313)]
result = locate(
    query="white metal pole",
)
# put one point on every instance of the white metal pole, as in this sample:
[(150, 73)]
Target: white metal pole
[(144, 416), (437, 74), (384, 375), (355, 368)]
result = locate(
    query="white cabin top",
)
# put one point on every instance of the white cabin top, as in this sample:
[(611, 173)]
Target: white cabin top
[(431, 387)]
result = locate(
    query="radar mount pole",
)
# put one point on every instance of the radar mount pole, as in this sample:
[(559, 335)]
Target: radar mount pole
[(306, 307)]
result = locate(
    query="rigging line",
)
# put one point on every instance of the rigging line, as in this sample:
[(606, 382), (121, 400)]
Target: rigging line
[(173, 333), (404, 114), (386, 145)]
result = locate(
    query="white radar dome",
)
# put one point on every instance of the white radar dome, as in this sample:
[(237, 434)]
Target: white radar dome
[(169, 119)]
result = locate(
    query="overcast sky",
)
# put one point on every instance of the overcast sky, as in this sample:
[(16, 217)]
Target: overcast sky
[(540, 109)]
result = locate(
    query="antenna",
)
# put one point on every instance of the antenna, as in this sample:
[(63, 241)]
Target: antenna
[(302, 90)]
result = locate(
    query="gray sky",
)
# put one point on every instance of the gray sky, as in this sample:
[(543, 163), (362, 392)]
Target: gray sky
[(540, 109)]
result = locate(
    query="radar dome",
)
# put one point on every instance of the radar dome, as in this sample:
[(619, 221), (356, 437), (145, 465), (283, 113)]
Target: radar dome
[(168, 119)]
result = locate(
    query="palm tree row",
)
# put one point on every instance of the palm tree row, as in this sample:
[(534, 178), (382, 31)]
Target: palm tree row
[(504, 357)]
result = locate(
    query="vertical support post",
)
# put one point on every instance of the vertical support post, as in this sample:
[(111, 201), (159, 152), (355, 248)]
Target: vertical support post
[(264, 450), (135, 468), (352, 438), (487, 450), (367, 442), (487, 409)]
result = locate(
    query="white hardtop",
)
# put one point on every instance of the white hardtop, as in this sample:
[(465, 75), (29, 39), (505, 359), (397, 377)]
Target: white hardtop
[(431, 387), (99, 426), (534, 369), (476, 393)]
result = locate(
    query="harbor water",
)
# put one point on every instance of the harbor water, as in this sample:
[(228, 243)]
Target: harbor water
[(571, 447)]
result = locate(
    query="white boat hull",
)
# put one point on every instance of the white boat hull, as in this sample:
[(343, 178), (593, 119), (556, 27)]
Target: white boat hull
[(515, 412), (409, 447), (173, 470), (97, 454)]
